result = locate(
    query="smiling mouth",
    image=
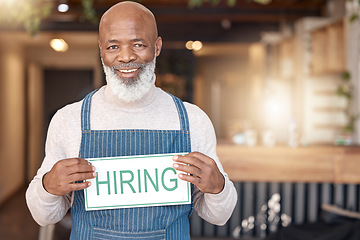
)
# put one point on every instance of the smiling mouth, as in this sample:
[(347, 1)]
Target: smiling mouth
[(128, 70)]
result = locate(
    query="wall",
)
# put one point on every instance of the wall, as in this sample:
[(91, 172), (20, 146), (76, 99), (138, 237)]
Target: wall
[(353, 60), (22, 60), (12, 125), (229, 86), (35, 119), (220, 76), (82, 54)]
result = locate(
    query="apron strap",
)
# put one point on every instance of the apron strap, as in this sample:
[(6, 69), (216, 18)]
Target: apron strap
[(183, 117), (85, 111)]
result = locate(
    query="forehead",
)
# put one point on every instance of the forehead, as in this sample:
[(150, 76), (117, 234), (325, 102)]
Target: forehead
[(126, 26), (126, 30)]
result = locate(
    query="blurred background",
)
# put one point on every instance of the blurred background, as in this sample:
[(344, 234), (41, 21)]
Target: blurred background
[(273, 76)]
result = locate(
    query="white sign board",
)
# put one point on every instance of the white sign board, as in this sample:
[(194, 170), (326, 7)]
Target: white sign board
[(136, 181)]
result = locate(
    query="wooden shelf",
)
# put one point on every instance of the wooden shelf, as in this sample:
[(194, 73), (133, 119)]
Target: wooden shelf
[(287, 57), (333, 164), (328, 49)]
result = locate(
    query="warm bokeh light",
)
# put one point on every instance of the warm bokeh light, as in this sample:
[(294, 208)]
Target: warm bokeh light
[(8, 2), (197, 45), (59, 45), (273, 107), (63, 7), (194, 45), (189, 45)]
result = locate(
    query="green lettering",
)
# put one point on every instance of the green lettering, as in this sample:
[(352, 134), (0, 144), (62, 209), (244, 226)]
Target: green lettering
[(115, 184), (102, 182), (174, 180), (139, 182), (122, 181), (147, 176)]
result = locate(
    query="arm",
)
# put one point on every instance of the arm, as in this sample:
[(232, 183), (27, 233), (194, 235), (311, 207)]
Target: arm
[(215, 196), (49, 193), (202, 172), (216, 208), (44, 207)]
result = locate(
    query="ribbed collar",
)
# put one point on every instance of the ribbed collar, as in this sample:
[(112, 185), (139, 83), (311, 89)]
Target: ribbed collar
[(112, 99)]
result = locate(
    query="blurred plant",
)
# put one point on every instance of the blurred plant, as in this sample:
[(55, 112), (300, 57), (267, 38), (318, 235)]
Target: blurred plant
[(231, 3), (345, 90), (262, 1), (27, 14), (354, 16), (30, 13), (198, 3), (89, 12)]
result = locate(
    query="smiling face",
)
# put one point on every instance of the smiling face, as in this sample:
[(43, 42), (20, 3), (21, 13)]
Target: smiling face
[(128, 39)]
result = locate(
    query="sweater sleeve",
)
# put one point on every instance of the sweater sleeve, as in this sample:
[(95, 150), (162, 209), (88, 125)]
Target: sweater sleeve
[(44, 207), (214, 208)]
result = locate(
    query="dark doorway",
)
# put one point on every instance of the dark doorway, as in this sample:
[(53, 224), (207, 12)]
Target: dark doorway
[(62, 87)]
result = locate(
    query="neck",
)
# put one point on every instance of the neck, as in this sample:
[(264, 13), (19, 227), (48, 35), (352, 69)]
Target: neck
[(144, 101)]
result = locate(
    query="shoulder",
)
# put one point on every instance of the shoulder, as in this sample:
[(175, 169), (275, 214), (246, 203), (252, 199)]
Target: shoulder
[(195, 112), (67, 117), (73, 110), (200, 124), (69, 111), (202, 132)]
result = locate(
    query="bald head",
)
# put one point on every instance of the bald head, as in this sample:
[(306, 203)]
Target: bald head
[(132, 12), (128, 41)]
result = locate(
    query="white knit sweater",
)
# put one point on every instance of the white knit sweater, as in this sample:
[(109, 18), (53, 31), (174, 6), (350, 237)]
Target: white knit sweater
[(154, 111)]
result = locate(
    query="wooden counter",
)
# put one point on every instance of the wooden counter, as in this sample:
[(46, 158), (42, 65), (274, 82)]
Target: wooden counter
[(335, 164)]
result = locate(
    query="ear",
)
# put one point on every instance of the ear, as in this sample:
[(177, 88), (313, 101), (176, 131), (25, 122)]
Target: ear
[(158, 45), (99, 45)]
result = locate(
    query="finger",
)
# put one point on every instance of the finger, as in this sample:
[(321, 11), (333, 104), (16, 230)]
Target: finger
[(80, 168), (74, 161), (188, 159), (201, 157), (191, 179), (190, 169), (81, 177), (79, 186)]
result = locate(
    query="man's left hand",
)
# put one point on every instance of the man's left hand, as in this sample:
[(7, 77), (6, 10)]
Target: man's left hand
[(202, 172)]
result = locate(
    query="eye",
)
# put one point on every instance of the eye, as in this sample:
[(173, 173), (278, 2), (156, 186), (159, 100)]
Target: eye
[(139, 46), (112, 48)]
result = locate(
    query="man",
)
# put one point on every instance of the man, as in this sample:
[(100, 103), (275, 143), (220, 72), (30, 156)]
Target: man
[(129, 116)]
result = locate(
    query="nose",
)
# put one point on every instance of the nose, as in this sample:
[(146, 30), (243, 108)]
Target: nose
[(126, 54)]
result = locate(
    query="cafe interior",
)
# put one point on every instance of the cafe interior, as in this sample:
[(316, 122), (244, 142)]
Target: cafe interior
[(279, 79)]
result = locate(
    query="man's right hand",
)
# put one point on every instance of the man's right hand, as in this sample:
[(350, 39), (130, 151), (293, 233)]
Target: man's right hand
[(62, 177)]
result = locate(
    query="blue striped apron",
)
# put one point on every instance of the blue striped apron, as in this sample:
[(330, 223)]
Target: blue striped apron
[(148, 223)]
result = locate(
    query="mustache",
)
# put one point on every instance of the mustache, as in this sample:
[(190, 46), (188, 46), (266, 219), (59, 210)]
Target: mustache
[(128, 65)]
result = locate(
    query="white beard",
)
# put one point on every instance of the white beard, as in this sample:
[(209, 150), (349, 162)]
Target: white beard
[(131, 90)]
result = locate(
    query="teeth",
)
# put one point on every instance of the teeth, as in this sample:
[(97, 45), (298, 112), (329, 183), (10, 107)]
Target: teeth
[(127, 71)]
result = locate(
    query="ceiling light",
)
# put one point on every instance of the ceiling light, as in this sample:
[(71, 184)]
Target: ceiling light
[(189, 45), (59, 45), (226, 24), (63, 7), (193, 45), (197, 45)]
